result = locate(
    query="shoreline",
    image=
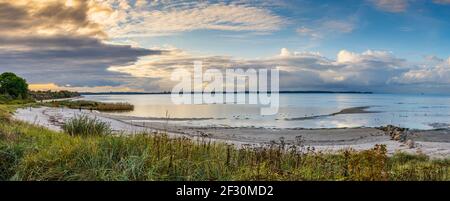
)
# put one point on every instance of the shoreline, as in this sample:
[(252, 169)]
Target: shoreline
[(351, 110), (434, 143), (60, 99)]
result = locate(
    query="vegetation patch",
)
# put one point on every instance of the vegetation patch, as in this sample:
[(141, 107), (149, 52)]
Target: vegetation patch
[(92, 105), (48, 95), (82, 125)]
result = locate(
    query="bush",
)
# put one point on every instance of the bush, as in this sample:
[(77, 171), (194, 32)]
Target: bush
[(46, 95), (13, 85), (4, 98), (82, 125)]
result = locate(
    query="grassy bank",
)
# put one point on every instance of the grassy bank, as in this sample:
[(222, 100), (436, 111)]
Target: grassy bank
[(28, 152)]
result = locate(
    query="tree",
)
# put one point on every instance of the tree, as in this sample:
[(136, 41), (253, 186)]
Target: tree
[(13, 85)]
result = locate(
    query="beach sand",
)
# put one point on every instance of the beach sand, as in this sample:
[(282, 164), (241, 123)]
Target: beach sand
[(435, 143)]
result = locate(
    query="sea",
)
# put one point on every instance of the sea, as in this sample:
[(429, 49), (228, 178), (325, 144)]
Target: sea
[(296, 110)]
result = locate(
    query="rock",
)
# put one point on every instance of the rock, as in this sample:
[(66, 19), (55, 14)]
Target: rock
[(396, 133), (410, 143)]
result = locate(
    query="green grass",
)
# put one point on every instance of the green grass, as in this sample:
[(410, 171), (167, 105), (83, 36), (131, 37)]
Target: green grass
[(29, 152), (82, 125)]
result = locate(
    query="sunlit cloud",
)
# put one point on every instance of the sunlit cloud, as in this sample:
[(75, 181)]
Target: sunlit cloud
[(55, 87), (143, 19), (114, 45), (298, 69), (436, 74), (394, 6)]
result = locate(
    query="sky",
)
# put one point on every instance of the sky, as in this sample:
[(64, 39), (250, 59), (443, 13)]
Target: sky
[(384, 46)]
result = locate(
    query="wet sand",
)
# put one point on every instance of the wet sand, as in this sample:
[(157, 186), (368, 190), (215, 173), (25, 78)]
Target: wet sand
[(435, 143), (352, 110)]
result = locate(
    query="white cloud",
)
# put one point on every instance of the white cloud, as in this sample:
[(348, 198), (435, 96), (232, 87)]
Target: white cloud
[(285, 52), (169, 18), (437, 74), (394, 6), (345, 56), (326, 28), (299, 70)]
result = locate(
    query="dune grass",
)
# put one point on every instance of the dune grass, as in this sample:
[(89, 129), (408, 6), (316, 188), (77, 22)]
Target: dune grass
[(82, 125), (28, 152)]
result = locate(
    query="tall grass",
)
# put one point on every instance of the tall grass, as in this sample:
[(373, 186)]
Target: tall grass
[(28, 152), (83, 125)]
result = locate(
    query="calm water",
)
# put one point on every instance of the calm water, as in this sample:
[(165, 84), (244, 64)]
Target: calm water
[(412, 111)]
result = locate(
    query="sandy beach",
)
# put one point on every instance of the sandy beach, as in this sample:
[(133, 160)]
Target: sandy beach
[(435, 143)]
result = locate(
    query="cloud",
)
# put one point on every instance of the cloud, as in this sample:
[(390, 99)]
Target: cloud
[(345, 56), (326, 28), (55, 87), (57, 42), (435, 75), (47, 18), (121, 18), (65, 43), (303, 31), (394, 6), (68, 45), (77, 61), (166, 17), (370, 70)]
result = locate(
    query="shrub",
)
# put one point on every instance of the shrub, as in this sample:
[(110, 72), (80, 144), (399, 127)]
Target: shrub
[(82, 125), (46, 95), (13, 85)]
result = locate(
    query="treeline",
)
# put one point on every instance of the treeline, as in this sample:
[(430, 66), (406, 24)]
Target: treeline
[(47, 95), (14, 89)]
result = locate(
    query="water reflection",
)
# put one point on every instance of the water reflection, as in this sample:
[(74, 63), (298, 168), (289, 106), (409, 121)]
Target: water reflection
[(412, 111)]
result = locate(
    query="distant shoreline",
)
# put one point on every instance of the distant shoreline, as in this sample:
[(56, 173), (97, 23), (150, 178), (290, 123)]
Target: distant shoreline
[(247, 92)]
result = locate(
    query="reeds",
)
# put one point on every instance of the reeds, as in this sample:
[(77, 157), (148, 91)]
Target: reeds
[(114, 107), (92, 105)]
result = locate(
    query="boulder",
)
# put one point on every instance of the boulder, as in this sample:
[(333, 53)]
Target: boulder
[(396, 133), (410, 143)]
